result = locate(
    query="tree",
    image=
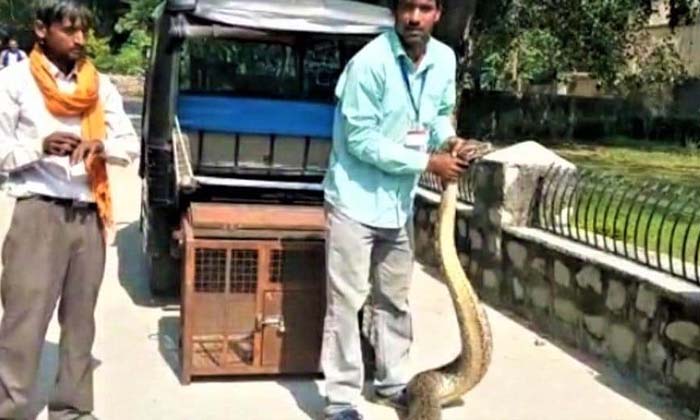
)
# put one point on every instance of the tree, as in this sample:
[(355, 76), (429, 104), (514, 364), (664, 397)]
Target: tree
[(456, 21), (133, 33), (138, 16), (18, 17), (15, 12), (521, 41)]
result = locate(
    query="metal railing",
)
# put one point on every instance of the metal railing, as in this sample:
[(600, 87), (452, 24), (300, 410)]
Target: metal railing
[(654, 223), (433, 183)]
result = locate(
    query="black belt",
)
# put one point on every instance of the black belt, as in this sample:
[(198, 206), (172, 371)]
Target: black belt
[(64, 202)]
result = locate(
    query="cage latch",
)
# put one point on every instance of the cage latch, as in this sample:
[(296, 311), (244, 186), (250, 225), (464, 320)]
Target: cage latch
[(275, 320)]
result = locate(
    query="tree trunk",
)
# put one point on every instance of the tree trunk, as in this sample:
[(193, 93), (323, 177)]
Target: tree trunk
[(453, 29), (454, 26)]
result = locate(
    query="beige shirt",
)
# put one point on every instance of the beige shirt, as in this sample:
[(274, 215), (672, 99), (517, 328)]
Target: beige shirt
[(25, 122)]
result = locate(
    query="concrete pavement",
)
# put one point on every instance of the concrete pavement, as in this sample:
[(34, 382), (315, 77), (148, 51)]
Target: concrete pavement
[(531, 378)]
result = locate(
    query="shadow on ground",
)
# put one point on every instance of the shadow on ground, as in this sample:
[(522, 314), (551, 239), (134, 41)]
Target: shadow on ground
[(306, 393), (605, 372), (132, 267), (303, 388), (169, 342)]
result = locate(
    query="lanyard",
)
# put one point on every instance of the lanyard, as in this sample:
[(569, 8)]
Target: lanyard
[(414, 103)]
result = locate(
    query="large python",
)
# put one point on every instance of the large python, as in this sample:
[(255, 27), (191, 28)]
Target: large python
[(430, 390)]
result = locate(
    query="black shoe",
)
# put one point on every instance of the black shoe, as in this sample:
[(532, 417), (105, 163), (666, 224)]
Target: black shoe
[(398, 400), (347, 414), (71, 414)]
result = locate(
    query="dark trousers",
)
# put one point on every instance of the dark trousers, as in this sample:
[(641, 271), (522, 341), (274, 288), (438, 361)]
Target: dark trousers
[(52, 253)]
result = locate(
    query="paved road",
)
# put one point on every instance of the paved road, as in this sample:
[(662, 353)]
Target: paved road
[(531, 378)]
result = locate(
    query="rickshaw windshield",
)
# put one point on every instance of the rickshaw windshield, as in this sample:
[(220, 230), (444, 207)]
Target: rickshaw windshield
[(232, 67)]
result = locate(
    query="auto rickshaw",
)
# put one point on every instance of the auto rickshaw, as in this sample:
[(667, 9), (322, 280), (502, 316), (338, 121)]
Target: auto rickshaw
[(237, 123)]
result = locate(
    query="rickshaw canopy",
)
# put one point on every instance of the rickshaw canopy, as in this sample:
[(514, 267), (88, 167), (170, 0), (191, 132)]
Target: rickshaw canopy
[(338, 17)]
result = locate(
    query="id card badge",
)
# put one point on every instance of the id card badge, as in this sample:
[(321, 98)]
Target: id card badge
[(417, 139)]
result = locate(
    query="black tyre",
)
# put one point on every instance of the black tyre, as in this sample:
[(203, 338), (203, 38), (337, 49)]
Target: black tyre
[(163, 275), (162, 268)]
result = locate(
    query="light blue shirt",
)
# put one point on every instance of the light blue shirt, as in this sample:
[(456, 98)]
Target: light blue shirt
[(372, 175)]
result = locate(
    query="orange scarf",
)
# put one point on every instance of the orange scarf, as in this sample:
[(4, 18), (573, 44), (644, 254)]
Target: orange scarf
[(84, 102)]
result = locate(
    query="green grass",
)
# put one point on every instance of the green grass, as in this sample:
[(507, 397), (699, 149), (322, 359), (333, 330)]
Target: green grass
[(664, 192), (641, 219), (637, 160)]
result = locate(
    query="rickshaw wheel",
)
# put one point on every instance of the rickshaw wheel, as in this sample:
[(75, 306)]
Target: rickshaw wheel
[(162, 268), (163, 275)]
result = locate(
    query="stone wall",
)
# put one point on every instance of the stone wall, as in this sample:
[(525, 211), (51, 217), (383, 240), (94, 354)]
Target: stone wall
[(128, 86), (644, 322)]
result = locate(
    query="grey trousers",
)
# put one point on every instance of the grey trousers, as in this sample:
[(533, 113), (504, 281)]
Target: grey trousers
[(356, 253), (51, 252)]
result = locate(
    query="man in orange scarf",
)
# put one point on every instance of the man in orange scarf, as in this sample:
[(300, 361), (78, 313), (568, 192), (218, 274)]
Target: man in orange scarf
[(60, 123)]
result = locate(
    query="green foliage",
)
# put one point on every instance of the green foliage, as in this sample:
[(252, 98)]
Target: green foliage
[(16, 17), (16, 12), (524, 41), (129, 58), (654, 68), (533, 55), (539, 54), (514, 42), (138, 16), (98, 50)]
